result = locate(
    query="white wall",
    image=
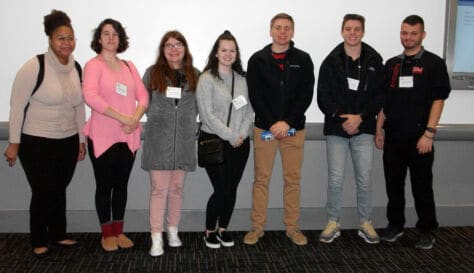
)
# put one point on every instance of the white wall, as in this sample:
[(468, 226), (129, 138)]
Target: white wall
[(317, 31)]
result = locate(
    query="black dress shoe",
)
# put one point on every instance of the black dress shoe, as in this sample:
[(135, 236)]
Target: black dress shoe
[(62, 245), (41, 255)]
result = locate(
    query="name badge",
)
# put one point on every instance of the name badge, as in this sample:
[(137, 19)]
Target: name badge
[(173, 92), (239, 102), (353, 84), (121, 89), (405, 82)]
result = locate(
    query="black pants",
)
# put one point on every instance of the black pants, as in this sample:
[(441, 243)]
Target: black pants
[(225, 179), (111, 170), (397, 158), (49, 165)]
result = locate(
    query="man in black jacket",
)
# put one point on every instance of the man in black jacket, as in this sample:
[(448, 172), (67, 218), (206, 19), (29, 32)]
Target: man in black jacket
[(280, 79), (417, 84), (350, 94)]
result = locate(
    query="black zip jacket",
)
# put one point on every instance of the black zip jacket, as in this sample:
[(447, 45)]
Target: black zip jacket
[(278, 95), (333, 90)]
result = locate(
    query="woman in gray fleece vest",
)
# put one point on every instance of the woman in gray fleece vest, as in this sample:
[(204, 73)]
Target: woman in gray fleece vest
[(222, 87), (169, 149)]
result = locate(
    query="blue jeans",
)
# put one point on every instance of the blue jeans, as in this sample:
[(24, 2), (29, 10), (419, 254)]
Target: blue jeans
[(361, 149)]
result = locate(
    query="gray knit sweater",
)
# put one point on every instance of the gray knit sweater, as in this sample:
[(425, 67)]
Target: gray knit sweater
[(214, 97)]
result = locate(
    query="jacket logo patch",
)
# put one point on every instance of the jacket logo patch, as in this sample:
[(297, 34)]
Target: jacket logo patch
[(371, 68), (417, 70), (295, 65)]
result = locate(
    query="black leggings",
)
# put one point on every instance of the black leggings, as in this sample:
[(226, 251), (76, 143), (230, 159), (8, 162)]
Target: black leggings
[(111, 170), (49, 165), (225, 179)]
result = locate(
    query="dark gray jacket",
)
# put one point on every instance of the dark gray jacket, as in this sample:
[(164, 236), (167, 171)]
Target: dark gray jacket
[(170, 131)]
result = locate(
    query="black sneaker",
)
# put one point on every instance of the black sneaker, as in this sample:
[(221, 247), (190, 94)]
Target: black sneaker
[(425, 241), (225, 239), (391, 234), (211, 240)]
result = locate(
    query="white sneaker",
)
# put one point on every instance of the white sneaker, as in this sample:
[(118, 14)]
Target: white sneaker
[(156, 244), (173, 238)]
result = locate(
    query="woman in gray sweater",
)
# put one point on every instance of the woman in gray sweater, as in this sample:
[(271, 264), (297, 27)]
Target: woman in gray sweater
[(169, 149), (222, 91)]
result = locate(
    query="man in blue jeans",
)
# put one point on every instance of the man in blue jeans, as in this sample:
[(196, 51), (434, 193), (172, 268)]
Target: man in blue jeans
[(350, 94)]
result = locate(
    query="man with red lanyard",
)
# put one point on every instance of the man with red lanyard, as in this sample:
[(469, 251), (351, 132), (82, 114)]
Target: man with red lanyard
[(417, 84), (280, 80)]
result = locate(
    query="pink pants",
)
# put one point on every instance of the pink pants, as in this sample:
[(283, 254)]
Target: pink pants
[(166, 186)]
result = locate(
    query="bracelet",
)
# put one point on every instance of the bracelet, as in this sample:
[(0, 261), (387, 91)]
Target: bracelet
[(431, 130), (427, 136)]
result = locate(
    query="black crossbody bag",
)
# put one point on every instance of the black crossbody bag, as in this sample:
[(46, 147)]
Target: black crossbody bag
[(210, 146)]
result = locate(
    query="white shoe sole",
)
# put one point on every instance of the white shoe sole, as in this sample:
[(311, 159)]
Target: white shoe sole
[(394, 239), (226, 244), (337, 234), (363, 236), (174, 244), (209, 245), (156, 253)]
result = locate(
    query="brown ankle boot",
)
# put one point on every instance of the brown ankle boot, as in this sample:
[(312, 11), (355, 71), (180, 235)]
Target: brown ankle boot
[(122, 240), (109, 242)]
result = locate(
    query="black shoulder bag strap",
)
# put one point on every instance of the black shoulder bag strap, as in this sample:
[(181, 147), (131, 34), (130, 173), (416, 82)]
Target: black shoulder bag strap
[(40, 77), (230, 107), (232, 98)]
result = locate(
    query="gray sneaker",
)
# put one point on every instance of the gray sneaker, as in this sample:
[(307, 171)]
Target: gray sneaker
[(425, 241), (331, 232)]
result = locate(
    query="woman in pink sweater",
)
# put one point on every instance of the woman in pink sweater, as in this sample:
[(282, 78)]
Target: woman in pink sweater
[(115, 93)]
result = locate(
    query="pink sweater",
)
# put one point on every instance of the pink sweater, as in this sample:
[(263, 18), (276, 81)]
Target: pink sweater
[(100, 92)]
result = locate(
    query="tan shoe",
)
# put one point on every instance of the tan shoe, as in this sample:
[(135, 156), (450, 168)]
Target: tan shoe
[(109, 243), (368, 233), (253, 236), (297, 237), (123, 241)]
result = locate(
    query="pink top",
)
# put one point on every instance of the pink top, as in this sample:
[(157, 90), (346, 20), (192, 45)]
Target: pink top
[(119, 90)]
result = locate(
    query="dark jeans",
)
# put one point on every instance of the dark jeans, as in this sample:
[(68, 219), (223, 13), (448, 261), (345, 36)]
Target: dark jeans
[(49, 165), (225, 179), (399, 156), (111, 170)]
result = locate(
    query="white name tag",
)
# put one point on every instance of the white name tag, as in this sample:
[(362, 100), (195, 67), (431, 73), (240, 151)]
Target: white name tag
[(121, 89), (173, 92), (405, 82), (239, 102), (353, 84)]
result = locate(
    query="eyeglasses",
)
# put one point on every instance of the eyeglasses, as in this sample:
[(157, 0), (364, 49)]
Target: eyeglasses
[(64, 39), (176, 46)]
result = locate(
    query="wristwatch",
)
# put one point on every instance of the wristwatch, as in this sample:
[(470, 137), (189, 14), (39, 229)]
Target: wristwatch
[(431, 130)]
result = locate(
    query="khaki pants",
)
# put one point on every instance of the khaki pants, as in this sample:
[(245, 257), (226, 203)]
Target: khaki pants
[(291, 152)]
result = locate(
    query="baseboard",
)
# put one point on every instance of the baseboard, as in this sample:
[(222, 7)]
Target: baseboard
[(194, 220)]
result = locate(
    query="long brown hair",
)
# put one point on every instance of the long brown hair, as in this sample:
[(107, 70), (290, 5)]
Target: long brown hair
[(161, 71)]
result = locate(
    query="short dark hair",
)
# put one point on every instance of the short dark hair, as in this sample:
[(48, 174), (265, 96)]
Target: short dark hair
[(414, 20), (212, 62), (54, 20), (282, 15), (353, 16), (123, 38)]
